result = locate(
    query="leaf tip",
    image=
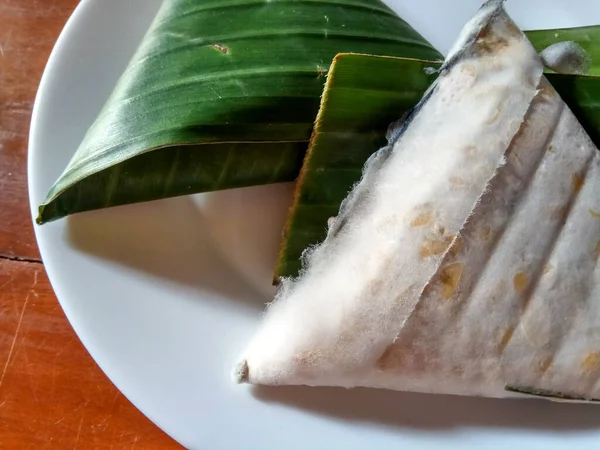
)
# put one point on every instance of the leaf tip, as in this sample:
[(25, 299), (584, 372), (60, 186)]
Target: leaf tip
[(40, 220)]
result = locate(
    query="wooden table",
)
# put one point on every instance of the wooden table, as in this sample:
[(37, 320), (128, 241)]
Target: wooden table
[(52, 394)]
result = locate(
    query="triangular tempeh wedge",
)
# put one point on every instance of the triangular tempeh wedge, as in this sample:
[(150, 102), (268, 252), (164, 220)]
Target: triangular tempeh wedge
[(465, 261)]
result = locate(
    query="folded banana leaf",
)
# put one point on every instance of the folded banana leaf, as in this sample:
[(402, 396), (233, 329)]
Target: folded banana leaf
[(221, 94), (356, 110)]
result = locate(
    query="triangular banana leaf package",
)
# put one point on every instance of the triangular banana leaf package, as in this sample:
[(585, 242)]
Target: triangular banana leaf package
[(465, 260), (221, 95)]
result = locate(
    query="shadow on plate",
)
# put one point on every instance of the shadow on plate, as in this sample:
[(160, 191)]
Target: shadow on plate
[(167, 239), (428, 411), (171, 239)]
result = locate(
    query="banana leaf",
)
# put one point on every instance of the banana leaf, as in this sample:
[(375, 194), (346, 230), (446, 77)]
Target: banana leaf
[(356, 110), (221, 94)]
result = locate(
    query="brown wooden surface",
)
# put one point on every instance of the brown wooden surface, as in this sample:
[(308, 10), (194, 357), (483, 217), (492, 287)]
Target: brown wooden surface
[(52, 394)]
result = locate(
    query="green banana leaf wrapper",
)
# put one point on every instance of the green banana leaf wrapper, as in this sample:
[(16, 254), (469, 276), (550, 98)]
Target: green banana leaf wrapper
[(221, 94), (356, 110)]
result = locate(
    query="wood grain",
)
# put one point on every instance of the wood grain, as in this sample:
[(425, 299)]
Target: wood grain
[(52, 394), (28, 30)]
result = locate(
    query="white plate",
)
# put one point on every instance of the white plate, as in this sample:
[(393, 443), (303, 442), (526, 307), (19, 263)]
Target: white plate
[(165, 294)]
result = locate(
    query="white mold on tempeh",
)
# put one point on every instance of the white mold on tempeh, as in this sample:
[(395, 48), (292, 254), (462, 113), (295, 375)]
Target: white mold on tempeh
[(477, 228)]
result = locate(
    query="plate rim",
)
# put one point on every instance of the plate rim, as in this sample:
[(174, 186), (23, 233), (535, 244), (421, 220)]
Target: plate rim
[(57, 52)]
